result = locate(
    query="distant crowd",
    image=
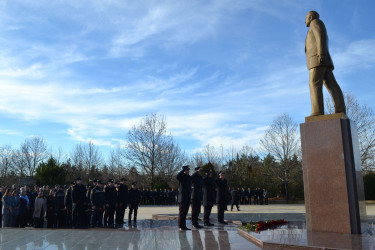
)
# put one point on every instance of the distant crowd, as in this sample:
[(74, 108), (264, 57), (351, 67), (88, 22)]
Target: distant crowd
[(95, 205)]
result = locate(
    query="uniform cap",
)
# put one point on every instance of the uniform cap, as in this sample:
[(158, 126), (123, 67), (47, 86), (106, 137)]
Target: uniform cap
[(185, 167)]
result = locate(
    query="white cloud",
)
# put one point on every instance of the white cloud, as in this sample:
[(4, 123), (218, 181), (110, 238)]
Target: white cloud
[(357, 55)]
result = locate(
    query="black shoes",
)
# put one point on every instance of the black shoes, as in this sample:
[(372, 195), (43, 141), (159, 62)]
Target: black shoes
[(208, 224), (184, 229), (223, 222), (197, 226)]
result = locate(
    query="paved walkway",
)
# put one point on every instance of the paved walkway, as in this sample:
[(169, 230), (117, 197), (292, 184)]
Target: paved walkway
[(148, 234)]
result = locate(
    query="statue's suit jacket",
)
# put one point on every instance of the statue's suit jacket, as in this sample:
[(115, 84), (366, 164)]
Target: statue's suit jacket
[(317, 44)]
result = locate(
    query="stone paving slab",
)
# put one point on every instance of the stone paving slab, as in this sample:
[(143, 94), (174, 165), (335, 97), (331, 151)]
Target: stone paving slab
[(148, 234)]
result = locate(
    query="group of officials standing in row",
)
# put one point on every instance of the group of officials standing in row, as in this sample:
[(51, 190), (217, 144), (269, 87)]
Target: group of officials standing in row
[(198, 189)]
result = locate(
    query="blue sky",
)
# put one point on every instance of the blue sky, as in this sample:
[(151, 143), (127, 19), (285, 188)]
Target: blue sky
[(220, 71)]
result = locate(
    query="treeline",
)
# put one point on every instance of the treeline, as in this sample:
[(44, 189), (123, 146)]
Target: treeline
[(152, 157)]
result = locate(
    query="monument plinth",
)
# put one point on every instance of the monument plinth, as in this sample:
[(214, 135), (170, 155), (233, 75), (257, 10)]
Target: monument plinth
[(332, 175)]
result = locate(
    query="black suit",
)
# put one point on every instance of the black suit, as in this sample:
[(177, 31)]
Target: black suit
[(134, 200), (184, 196), (208, 197), (196, 197), (122, 203), (79, 199), (110, 205), (221, 198)]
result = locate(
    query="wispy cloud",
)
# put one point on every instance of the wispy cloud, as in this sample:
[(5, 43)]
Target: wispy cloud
[(357, 55), (219, 71)]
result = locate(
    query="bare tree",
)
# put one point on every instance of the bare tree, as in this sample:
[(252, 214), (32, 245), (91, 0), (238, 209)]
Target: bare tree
[(148, 144), (59, 155), (210, 154), (32, 152), (92, 157), (86, 158), (117, 164), (173, 159), (364, 117), (196, 160), (6, 155), (281, 141), (77, 157)]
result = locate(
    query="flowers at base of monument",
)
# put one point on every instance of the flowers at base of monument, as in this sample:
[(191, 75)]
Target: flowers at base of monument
[(262, 225)]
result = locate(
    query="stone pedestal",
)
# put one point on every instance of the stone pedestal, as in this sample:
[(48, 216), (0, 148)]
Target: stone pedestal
[(332, 175)]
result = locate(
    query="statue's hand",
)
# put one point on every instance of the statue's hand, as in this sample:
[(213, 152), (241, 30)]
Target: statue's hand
[(322, 58)]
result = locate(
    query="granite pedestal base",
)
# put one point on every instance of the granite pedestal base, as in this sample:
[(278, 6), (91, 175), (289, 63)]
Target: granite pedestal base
[(332, 175)]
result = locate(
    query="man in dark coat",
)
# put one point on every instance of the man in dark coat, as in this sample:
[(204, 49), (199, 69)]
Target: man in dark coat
[(122, 202), (235, 198), (221, 195), (60, 207), (208, 196), (134, 200), (97, 197), (110, 204), (184, 196), (78, 203), (68, 205), (196, 196), (249, 194)]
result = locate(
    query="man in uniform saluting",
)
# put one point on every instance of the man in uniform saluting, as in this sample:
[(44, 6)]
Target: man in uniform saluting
[(196, 196), (222, 189), (208, 196), (184, 196)]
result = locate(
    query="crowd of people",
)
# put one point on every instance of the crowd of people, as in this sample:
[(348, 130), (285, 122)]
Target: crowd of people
[(74, 206), (99, 204)]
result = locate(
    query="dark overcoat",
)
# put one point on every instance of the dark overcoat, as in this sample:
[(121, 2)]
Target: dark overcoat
[(197, 185), (208, 191), (184, 187), (222, 189)]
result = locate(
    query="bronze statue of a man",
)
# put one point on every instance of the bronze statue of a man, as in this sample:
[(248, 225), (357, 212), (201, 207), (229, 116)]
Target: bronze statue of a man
[(320, 65)]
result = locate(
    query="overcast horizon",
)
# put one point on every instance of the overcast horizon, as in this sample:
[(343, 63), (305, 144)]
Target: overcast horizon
[(219, 71)]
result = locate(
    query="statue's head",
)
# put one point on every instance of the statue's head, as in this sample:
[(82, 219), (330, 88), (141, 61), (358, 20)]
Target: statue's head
[(311, 16)]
